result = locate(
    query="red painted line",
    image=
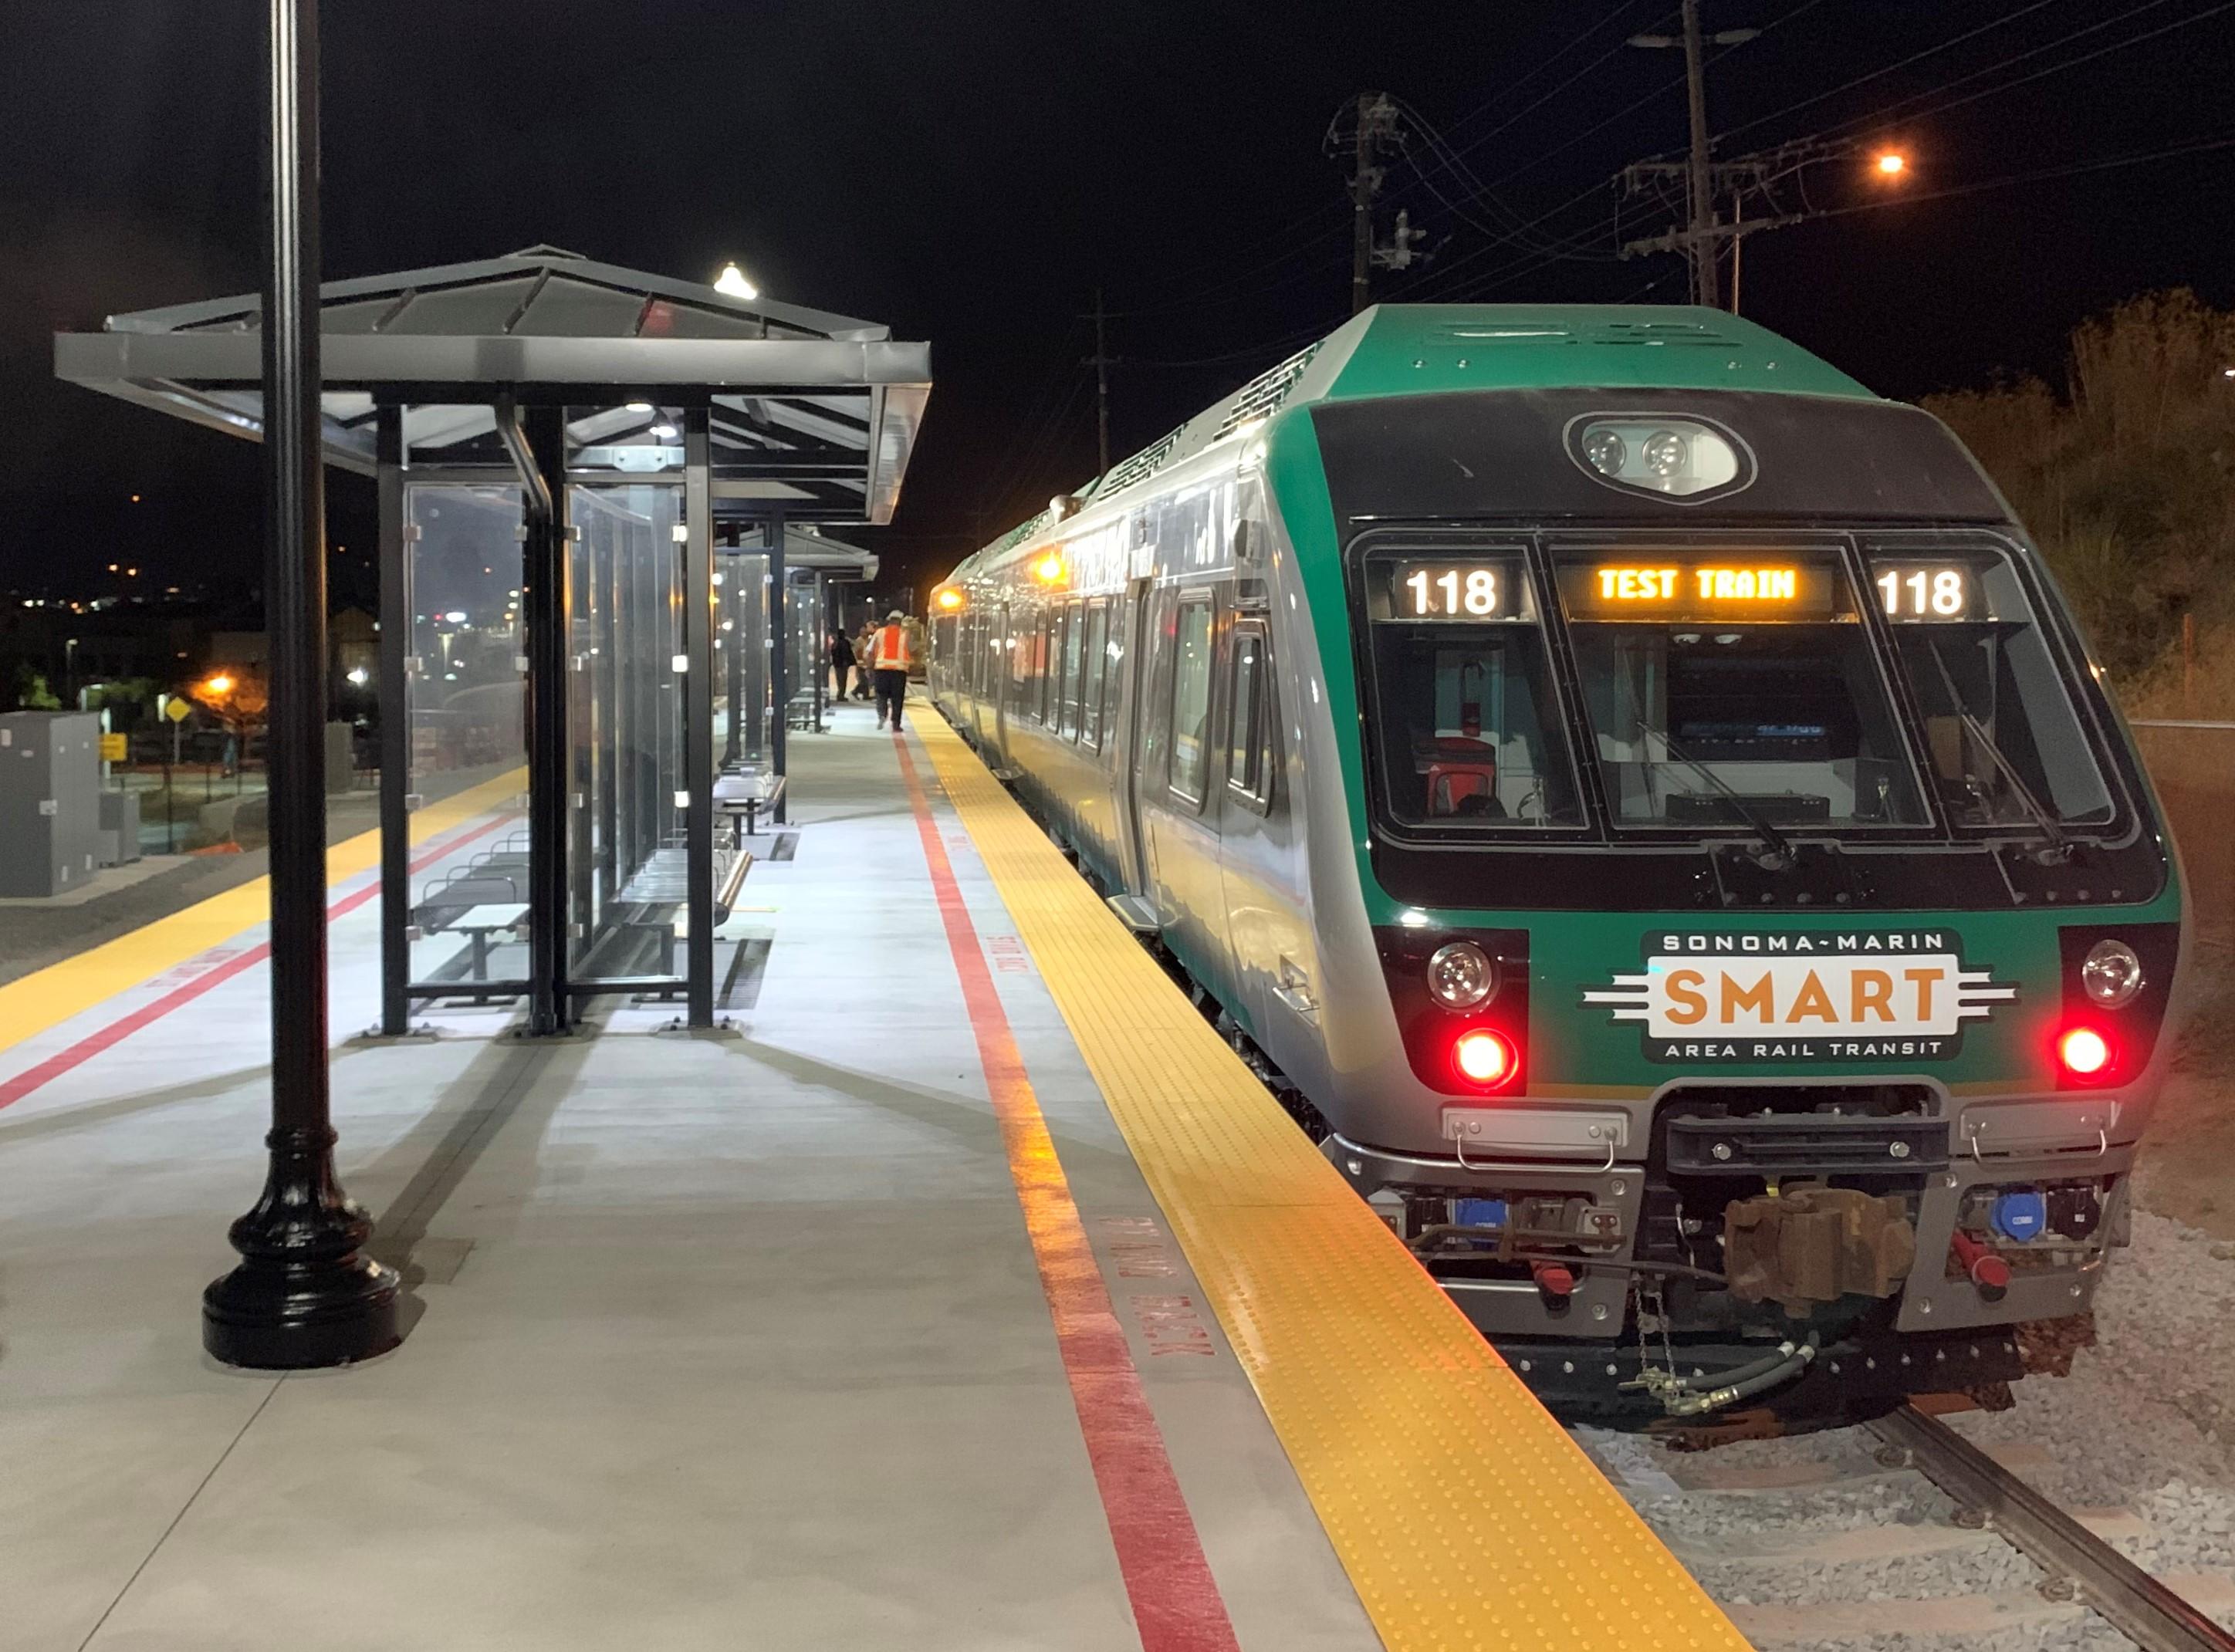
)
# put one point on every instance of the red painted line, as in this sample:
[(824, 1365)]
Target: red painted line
[(14, 1089), (1176, 1601)]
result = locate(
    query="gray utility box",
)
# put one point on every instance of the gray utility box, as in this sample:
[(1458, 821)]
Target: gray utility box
[(119, 828), (50, 801)]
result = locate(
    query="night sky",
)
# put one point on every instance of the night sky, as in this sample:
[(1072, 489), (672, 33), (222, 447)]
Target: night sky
[(971, 173)]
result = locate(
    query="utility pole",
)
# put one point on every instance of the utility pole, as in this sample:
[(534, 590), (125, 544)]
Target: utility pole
[(1705, 264), (1700, 239), (1101, 361), (1376, 123), (1757, 175)]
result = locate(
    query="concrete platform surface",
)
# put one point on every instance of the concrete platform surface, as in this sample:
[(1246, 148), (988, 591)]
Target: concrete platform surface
[(717, 1342)]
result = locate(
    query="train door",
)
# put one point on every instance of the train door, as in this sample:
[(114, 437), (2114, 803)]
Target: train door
[(997, 680), (1258, 868), (1127, 705), (1181, 806)]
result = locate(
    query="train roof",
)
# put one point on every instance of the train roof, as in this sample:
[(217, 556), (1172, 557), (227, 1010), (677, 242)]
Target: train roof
[(1417, 349)]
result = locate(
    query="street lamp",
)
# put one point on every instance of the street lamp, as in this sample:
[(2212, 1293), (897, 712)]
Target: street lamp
[(1891, 164), (732, 282)]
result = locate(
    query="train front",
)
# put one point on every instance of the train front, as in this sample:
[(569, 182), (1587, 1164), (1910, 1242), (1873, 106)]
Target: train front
[(1777, 927)]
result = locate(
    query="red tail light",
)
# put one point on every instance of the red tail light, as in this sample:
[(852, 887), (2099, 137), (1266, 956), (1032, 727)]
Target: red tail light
[(1484, 1057), (2083, 1053)]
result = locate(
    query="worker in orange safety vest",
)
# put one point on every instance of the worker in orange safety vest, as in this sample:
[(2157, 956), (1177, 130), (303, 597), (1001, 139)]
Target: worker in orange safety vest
[(888, 664)]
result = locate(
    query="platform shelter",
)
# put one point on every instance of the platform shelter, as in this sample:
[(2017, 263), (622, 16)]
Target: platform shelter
[(601, 499)]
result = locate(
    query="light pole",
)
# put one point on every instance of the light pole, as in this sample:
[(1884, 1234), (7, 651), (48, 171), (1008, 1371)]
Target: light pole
[(303, 1296)]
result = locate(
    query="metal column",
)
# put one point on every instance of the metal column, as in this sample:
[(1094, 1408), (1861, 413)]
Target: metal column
[(698, 710), (303, 1296), (779, 665), (395, 696), (544, 604), (734, 592), (819, 654)]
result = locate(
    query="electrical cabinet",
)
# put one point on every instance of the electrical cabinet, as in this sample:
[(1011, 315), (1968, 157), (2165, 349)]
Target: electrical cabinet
[(50, 801)]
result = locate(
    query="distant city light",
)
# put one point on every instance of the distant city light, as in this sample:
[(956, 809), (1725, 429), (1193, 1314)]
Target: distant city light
[(733, 281), (220, 684), (456, 616), (136, 499), (359, 676), (1892, 164)]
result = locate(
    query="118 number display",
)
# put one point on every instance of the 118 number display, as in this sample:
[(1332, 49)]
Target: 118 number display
[(1438, 591), (1928, 593)]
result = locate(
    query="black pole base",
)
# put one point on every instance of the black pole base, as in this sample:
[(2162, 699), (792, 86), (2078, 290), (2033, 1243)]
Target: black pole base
[(303, 1298)]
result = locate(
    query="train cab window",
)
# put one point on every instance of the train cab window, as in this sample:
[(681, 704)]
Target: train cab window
[(1094, 652), (1724, 689), (1191, 699), (2002, 736), (1464, 717), (1249, 722)]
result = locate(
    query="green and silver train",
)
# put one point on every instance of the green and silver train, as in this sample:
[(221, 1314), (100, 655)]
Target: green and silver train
[(1642, 801)]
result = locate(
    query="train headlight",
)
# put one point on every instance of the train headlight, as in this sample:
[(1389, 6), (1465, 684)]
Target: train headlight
[(1606, 450), (2111, 974), (1461, 975), (1664, 453)]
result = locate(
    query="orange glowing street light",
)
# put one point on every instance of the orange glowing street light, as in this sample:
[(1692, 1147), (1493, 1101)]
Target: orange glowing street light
[(1891, 163), (219, 684)]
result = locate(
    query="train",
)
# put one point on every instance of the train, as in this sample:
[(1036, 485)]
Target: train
[(1640, 801)]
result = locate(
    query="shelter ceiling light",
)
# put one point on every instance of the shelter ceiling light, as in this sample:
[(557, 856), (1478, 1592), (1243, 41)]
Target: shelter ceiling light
[(733, 281)]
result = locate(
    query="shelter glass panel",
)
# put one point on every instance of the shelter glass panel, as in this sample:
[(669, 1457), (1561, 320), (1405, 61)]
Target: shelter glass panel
[(626, 861), (743, 646), (467, 698)]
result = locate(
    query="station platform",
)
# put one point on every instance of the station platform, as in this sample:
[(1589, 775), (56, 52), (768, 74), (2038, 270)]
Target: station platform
[(963, 1291)]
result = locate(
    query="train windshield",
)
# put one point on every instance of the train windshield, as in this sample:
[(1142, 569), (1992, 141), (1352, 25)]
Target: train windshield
[(1725, 689), (2003, 744), (1469, 728)]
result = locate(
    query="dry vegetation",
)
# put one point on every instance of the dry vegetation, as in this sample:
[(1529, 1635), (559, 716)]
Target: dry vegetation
[(2127, 481)]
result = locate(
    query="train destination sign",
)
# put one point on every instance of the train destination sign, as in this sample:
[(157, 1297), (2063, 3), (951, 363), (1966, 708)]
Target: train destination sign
[(1803, 996), (1724, 589)]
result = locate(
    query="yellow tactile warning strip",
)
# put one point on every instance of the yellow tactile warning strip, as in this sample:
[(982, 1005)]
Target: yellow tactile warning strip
[(50, 996), (1464, 1514)]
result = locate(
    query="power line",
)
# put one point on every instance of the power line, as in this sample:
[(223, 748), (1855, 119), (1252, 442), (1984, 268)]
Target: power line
[(2075, 62), (1900, 107), (2199, 146), (1992, 22)]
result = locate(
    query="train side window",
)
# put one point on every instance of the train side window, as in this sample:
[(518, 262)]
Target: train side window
[(1249, 723), (1094, 661), (1191, 661), (1020, 651), (1074, 636), (1051, 666)]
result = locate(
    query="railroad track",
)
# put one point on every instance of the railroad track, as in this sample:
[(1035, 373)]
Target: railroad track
[(1903, 1534)]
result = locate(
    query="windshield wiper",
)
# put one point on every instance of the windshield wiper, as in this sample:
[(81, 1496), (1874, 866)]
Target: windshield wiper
[(2056, 847), (1777, 851)]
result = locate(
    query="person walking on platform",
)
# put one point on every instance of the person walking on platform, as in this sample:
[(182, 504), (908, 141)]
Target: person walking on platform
[(842, 660), (889, 656), (862, 644)]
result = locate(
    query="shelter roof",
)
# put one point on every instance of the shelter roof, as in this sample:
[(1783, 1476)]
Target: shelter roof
[(810, 410)]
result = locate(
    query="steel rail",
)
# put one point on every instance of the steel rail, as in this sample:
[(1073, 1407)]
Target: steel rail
[(2128, 1598)]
